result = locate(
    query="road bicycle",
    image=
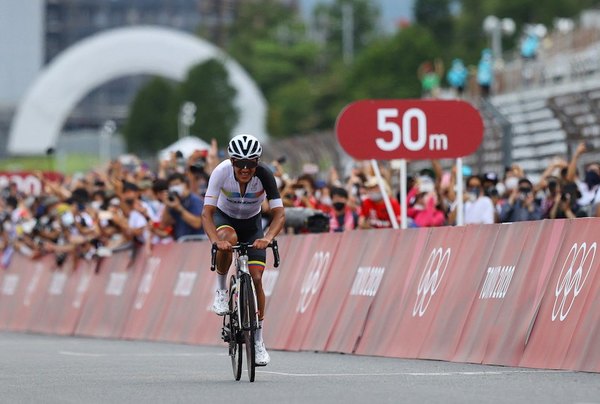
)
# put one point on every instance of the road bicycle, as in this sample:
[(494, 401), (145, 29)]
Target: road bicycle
[(241, 321)]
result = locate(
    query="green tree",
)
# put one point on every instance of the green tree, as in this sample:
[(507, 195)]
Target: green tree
[(329, 20), (148, 128), (270, 42), (388, 68), (435, 15), (207, 86)]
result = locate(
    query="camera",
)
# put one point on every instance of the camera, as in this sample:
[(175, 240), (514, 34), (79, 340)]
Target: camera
[(197, 167), (172, 196)]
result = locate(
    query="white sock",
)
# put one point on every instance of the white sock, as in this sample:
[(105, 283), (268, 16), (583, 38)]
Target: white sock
[(258, 333), (221, 281)]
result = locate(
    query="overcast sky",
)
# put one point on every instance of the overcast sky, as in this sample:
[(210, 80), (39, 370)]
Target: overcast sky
[(391, 10)]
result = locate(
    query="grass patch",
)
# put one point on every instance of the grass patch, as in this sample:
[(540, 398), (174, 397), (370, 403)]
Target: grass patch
[(67, 164)]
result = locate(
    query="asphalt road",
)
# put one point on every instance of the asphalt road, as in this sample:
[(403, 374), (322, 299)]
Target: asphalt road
[(49, 369)]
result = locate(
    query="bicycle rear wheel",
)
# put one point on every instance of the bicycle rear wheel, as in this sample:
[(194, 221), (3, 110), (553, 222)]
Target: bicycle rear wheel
[(249, 322), (235, 343)]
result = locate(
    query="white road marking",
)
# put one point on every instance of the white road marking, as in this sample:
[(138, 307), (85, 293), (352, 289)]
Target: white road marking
[(100, 355), (436, 374)]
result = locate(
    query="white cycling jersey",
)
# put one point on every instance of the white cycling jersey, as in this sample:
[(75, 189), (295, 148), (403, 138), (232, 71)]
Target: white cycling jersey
[(224, 191)]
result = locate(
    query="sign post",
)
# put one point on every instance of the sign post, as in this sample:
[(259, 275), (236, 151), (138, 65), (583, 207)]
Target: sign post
[(410, 130)]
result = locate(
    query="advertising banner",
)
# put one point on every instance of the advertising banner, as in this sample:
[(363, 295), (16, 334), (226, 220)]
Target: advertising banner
[(54, 312), (189, 296), (153, 292), (109, 296), (564, 302), (379, 336), (519, 290), (463, 284), (304, 270), (357, 275)]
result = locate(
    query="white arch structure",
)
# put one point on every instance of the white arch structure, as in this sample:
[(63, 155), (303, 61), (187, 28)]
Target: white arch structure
[(116, 53)]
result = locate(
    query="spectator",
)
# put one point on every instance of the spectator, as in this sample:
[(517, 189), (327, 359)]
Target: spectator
[(304, 189), (342, 217), (430, 77), (529, 46), (457, 76), (184, 209), (136, 214), (521, 205), (589, 188), (373, 211), (485, 73), (424, 209), (479, 208)]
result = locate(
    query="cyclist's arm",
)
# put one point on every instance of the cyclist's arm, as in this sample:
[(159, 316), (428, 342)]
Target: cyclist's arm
[(276, 224), (209, 224)]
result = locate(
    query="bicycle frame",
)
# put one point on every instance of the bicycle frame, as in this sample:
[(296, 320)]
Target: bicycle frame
[(241, 322)]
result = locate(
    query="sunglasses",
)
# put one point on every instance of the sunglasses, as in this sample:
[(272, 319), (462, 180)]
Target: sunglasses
[(245, 163)]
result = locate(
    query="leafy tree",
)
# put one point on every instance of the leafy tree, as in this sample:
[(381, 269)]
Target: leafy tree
[(388, 68), (435, 15), (328, 18), (269, 41), (148, 128), (207, 86), (293, 108)]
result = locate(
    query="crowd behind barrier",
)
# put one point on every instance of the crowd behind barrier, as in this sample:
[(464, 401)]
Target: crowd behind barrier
[(129, 206), (523, 294)]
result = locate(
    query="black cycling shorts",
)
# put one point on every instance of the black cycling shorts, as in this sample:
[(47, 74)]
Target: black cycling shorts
[(247, 231)]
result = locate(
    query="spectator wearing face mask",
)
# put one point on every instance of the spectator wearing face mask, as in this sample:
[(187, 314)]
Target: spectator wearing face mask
[(136, 213), (373, 212), (184, 209), (479, 208), (342, 217), (590, 186), (424, 207), (521, 205)]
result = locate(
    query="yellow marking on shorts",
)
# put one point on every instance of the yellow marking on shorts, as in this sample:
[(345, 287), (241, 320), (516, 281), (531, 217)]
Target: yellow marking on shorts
[(256, 264), (225, 225)]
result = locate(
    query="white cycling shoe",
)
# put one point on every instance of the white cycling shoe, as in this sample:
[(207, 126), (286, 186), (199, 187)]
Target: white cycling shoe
[(261, 357), (220, 305)]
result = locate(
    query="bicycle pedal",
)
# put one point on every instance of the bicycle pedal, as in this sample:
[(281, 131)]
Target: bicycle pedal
[(225, 334)]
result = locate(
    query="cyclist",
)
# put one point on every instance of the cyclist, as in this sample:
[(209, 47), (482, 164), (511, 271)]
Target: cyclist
[(236, 190)]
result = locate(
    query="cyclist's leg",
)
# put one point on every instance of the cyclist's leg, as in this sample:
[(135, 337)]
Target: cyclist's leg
[(225, 232), (256, 267), (250, 230)]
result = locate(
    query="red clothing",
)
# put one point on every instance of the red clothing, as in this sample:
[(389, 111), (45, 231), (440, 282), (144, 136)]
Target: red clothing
[(376, 213), (428, 216)]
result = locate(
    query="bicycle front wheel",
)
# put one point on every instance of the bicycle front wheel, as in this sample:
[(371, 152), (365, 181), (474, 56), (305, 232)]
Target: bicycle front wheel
[(249, 323), (235, 343)]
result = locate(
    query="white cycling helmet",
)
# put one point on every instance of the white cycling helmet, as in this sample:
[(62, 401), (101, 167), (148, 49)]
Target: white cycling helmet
[(244, 147)]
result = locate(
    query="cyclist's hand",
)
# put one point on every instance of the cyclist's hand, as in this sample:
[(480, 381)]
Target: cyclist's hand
[(261, 243), (223, 245)]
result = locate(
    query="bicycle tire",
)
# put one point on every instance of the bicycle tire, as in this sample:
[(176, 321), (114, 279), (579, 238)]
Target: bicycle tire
[(235, 345), (249, 322)]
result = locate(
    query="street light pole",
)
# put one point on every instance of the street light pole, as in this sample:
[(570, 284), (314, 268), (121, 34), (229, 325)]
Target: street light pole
[(186, 118), (496, 27), (106, 133)]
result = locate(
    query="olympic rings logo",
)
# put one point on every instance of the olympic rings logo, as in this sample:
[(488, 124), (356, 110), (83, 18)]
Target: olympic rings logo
[(432, 276), (571, 279), (313, 279)]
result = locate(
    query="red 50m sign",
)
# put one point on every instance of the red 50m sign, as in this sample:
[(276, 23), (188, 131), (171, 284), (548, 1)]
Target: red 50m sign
[(409, 129)]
